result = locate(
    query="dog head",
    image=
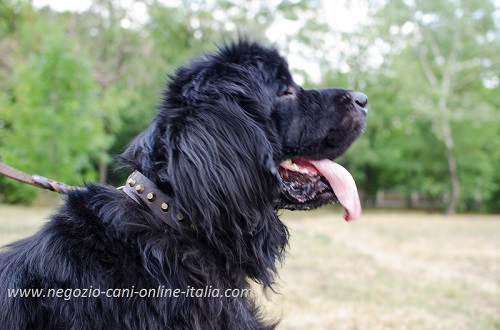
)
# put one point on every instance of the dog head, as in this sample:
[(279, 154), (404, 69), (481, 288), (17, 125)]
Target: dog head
[(235, 123)]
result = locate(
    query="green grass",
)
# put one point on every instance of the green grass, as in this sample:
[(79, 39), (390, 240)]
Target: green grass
[(385, 271)]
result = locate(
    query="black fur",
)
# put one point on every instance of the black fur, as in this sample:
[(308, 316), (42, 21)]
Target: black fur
[(226, 122)]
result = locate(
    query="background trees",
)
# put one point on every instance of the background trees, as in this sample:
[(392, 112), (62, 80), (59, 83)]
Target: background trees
[(75, 87), (454, 50)]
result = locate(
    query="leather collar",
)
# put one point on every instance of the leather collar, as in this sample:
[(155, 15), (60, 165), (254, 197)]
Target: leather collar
[(144, 192)]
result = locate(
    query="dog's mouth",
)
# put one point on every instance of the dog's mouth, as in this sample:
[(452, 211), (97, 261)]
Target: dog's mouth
[(311, 183)]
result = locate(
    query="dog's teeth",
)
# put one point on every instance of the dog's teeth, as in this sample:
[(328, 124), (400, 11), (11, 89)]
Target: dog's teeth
[(294, 167), (288, 162)]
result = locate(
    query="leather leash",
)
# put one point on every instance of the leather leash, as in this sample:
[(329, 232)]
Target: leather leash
[(36, 180), (138, 187)]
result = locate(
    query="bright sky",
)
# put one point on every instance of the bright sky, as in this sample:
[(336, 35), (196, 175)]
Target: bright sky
[(342, 15)]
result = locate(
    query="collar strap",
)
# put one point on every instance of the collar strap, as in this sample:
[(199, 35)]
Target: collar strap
[(144, 192)]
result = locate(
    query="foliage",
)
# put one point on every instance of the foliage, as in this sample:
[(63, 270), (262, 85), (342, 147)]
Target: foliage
[(441, 136), (51, 120), (76, 87)]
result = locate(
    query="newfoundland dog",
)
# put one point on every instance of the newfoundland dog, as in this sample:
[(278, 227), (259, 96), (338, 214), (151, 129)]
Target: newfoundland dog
[(235, 141)]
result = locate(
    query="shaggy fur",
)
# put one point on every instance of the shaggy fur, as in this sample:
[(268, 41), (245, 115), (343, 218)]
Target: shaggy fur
[(225, 124)]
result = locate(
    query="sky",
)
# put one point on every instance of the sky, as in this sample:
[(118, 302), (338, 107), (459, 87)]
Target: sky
[(342, 15), (63, 5)]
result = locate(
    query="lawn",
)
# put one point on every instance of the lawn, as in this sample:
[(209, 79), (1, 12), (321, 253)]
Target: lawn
[(385, 271)]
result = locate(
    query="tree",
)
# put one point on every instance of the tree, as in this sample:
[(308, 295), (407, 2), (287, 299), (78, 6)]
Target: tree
[(454, 44), (49, 118), (113, 49)]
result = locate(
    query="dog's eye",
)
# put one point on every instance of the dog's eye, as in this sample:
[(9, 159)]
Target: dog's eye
[(284, 90)]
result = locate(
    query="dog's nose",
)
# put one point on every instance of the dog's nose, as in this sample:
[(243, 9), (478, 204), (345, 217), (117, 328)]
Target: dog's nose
[(360, 100)]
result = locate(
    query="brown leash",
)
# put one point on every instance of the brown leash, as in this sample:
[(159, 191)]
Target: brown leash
[(138, 187), (36, 180)]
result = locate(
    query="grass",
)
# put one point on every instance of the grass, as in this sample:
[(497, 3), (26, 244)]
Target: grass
[(385, 271)]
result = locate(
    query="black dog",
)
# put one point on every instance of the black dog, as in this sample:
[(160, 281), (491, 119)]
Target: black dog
[(235, 140)]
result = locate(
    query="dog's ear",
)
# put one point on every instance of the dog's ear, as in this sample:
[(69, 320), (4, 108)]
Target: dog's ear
[(217, 162), (225, 181), (222, 162), (139, 152)]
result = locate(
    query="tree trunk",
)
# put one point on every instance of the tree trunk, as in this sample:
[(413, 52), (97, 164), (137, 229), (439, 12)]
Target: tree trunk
[(442, 120), (454, 181), (450, 157), (369, 190), (103, 171)]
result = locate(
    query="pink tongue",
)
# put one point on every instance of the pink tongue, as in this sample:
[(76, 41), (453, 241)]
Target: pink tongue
[(343, 186)]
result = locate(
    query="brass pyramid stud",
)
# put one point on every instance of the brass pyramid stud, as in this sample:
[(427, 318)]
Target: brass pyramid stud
[(131, 182), (180, 217)]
